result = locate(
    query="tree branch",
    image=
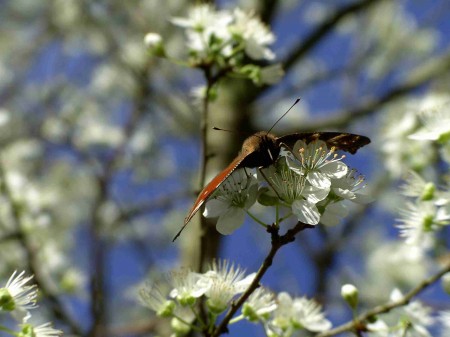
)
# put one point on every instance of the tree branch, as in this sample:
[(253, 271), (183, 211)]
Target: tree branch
[(277, 242), (323, 29), (386, 307), (426, 73)]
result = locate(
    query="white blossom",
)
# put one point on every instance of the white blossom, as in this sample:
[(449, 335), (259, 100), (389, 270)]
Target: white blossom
[(231, 200), (223, 281), (185, 286), (18, 297), (156, 299), (298, 313), (418, 221), (43, 330), (318, 163), (258, 306), (294, 190), (254, 33), (415, 317), (436, 123)]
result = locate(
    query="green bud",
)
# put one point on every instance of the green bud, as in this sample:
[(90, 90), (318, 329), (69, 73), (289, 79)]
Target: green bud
[(7, 302), (428, 192), (249, 313), (155, 44), (187, 301), (427, 223), (27, 331), (168, 309), (444, 138), (350, 294)]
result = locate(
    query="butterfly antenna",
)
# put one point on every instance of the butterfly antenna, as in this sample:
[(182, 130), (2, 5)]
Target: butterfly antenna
[(232, 131), (279, 119)]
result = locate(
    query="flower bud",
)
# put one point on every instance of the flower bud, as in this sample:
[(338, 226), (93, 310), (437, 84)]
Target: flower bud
[(428, 192), (350, 294), (154, 43), (6, 300)]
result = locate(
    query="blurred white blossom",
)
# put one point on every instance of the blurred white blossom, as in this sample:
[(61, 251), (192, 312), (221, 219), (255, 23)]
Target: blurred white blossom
[(296, 313)]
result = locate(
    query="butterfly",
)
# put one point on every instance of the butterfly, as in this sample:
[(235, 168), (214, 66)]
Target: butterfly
[(263, 148)]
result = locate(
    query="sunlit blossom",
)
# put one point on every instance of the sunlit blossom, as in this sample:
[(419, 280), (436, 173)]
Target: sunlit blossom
[(157, 300), (231, 200), (18, 297), (258, 306), (350, 187), (207, 29), (297, 313), (415, 317), (224, 281), (186, 287), (436, 124), (309, 315), (418, 221), (43, 330), (294, 190), (318, 163), (254, 33)]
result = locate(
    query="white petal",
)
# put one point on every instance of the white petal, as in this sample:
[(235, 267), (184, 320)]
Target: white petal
[(243, 284), (363, 199), (306, 212), (318, 325), (333, 214), (231, 220), (344, 193), (318, 179), (215, 208), (335, 169), (314, 194), (299, 144)]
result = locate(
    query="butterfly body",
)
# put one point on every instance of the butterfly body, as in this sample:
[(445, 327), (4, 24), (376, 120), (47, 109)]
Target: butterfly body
[(262, 149)]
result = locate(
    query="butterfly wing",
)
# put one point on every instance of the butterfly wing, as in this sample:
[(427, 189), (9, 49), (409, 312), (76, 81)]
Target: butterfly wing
[(210, 188), (341, 141)]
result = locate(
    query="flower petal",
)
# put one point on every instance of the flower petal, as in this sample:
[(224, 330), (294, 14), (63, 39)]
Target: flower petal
[(231, 220), (306, 212), (334, 169), (318, 179), (215, 208)]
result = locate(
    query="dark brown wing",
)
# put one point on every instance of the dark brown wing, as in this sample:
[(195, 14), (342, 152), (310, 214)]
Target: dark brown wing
[(210, 188), (342, 141)]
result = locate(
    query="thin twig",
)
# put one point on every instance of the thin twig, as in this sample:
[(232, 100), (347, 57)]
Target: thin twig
[(324, 28), (386, 307), (277, 242)]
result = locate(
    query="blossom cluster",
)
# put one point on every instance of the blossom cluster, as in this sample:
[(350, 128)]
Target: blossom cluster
[(18, 297), (428, 209), (413, 319), (408, 130), (280, 315), (311, 181), (425, 214), (225, 41)]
